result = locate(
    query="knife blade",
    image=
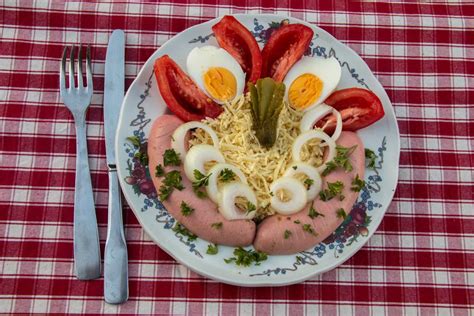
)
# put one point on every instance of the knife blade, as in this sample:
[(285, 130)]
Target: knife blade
[(116, 256)]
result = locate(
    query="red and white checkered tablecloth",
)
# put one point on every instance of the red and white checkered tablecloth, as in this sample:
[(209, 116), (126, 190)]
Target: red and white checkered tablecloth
[(421, 259)]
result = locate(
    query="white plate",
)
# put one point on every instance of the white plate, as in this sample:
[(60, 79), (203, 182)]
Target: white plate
[(143, 104)]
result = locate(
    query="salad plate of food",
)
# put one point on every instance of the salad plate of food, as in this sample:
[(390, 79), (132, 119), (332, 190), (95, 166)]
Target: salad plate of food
[(257, 150)]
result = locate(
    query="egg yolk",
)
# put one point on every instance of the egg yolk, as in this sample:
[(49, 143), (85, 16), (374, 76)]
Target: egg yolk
[(304, 91), (220, 83)]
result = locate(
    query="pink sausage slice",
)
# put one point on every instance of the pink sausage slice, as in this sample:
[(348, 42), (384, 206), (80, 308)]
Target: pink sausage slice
[(200, 221), (271, 232)]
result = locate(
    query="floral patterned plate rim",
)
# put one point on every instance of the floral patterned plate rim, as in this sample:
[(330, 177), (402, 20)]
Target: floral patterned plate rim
[(143, 104)]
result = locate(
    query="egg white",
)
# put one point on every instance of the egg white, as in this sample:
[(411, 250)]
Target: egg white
[(200, 59), (327, 69)]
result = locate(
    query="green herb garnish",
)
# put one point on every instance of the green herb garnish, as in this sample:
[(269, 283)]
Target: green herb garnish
[(226, 175), (294, 167), (297, 221), (201, 181), (371, 157), (171, 158), (186, 209), (334, 188), (308, 182), (173, 179), (287, 234), (341, 213), (250, 207), (178, 228), (159, 171), (245, 258), (341, 160), (309, 229), (357, 184), (212, 249), (142, 157), (217, 225), (164, 192), (313, 213), (135, 140), (266, 102)]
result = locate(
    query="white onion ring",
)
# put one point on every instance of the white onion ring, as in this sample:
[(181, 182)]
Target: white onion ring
[(298, 195), (230, 192), (212, 189), (308, 135), (311, 117), (197, 156), (311, 172), (179, 136)]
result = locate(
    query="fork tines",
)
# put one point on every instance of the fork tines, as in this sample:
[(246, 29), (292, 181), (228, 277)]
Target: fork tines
[(79, 69)]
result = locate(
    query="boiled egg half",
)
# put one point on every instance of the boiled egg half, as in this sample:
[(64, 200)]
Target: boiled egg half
[(216, 72), (310, 81)]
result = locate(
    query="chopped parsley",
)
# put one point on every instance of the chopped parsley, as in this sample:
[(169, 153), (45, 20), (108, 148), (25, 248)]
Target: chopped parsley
[(308, 182), (217, 225), (341, 160), (341, 213), (159, 171), (164, 192), (294, 167), (357, 184), (287, 234), (173, 179), (250, 207), (201, 181), (135, 140), (186, 209), (142, 157), (178, 228), (226, 175), (309, 229), (371, 157), (212, 249), (171, 158), (334, 188), (297, 221), (313, 213), (245, 258)]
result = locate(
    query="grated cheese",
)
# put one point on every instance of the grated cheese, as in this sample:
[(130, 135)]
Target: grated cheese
[(240, 147)]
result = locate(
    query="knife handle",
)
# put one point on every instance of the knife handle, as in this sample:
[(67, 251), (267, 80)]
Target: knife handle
[(116, 257)]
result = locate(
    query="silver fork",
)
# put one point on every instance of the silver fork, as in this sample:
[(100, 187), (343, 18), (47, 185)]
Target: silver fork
[(86, 234)]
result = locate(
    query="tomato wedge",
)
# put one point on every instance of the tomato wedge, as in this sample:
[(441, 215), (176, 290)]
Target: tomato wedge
[(359, 108), (284, 48), (180, 93), (232, 36)]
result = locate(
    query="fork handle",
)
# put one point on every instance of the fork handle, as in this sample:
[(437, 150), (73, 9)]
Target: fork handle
[(86, 234), (115, 257)]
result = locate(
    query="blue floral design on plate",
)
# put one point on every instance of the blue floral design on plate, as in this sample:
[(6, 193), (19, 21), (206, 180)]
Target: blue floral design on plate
[(355, 224)]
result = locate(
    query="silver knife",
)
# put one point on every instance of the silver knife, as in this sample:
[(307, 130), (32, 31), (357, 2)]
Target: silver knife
[(116, 257)]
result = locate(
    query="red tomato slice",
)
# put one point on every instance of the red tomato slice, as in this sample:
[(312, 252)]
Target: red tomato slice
[(180, 93), (284, 48), (359, 108), (240, 43)]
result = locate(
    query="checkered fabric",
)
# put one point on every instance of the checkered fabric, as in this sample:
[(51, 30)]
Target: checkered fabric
[(420, 260)]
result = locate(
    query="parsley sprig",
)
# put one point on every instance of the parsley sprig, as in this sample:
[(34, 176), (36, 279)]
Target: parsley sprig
[(171, 158), (308, 182), (245, 258), (226, 175), (357, 184), (341, 213), (341, 160), (172, 180), (201, 181), (370, 156), (287, 234), (334, 189), (313, 213), (212, 249), (179, 229), (186, 210)]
